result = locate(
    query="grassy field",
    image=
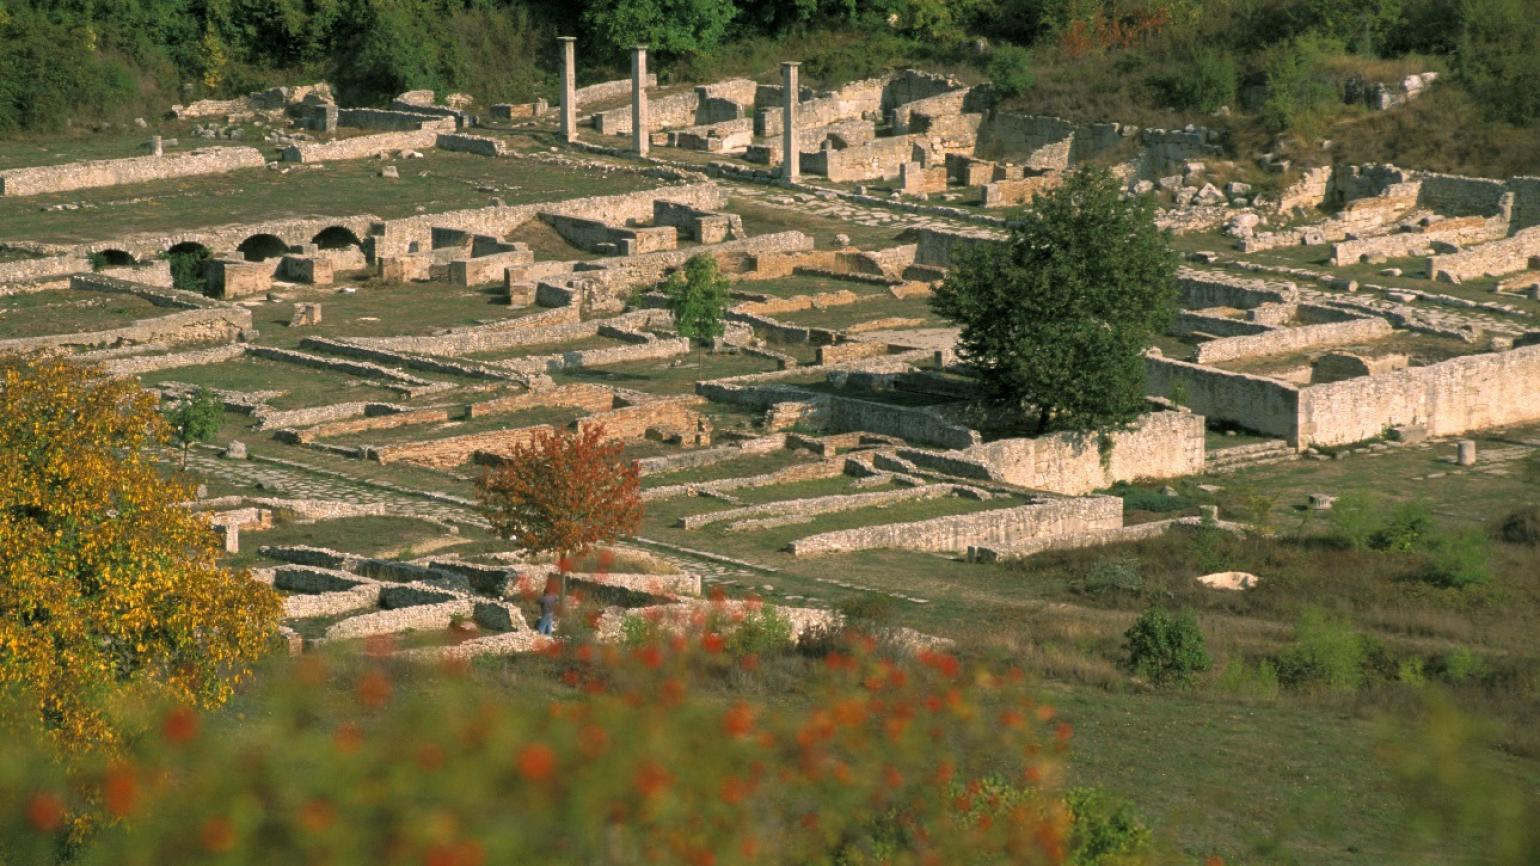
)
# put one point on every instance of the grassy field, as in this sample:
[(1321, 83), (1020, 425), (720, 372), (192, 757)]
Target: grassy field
[(440, 181), (66, 311)]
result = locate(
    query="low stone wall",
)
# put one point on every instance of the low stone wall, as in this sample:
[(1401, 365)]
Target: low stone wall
[(800, 472), (1008, 193), (601, 236), (649, 351), (215, 325), (1203, 289), (1286, 341), (589, 398), (957, 533), (425, 617), (802, 510), (362, 146), (480, 145), (1460, 231), (1160, 445), (453, 451), (396, 121), (389, 421), (877, 159), (37, 269), (1488, 260), (1473, 392), (116, 172), (940, 249), (362, 369), (604, 90), (1190, 322), (1258, 403), (136, 366)]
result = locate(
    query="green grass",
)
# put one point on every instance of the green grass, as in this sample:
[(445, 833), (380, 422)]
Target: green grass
[(67, 311), (442, 181), (305, 386), (383, 536), (557, 416)]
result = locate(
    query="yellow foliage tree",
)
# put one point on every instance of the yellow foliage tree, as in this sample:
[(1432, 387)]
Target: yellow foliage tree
[(106, 584)]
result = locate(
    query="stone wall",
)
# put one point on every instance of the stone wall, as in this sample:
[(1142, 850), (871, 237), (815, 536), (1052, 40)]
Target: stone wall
[(874, 160), (361, 146), (1255, 402), (1162, 445), (36, 269), (1008, 193), (1190, 322), (1453, 195), (939, 249), (115, 172), (602, 237), (955, 534), (214, 325), (1204, 289), (1473, 392), (620, 88), (1492, 259), (480, 145), (1286, 341), (395, 121), (1460, 231)]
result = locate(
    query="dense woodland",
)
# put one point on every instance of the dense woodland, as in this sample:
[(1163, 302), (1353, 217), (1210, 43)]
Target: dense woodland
[(1279, 64)]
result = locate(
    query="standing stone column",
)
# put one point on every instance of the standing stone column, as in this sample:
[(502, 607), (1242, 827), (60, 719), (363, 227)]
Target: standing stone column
[(568, 88), (641, 133), (791, 156), (1465, 452), (157, 147)]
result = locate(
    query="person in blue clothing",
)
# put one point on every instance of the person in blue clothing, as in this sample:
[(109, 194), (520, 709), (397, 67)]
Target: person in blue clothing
[(548, 605)]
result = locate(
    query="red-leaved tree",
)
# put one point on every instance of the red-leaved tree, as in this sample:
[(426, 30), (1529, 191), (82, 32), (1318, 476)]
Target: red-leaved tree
[(563, 492)]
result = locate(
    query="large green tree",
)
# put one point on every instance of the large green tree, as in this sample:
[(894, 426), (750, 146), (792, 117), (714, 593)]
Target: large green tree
[(1056, 318), (671, 28), (698, 296)]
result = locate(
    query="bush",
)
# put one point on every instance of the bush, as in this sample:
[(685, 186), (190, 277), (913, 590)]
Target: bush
[(763, 632), (1010, 70), (1521, 526), (1106, 828), (1409, 527), (1299, 87), (1354, 518), (1166, 648), (1259, 681), (630, 758), (1326, 652), (1111, 574), (1205, 84), (1458, 560)]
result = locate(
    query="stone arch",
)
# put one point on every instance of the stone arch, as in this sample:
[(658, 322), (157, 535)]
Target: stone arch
[(115, 258), (336, 238), (260, 247)]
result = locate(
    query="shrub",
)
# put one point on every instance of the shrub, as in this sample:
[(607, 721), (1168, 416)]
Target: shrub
[(187, 270), (1354, 518), (1409, 527), (1521, 526), (1166, 648), (1205, 84), (1111, 574), (1299, 87), (628, 759), (763, 632), (1326, 652), (1460, 665), (1259, 681), (1010, 70), (1458, 559), (1106, 829)]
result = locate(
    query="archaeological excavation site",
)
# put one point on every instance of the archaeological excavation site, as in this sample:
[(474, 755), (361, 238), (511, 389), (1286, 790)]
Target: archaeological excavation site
[(1334, 439)]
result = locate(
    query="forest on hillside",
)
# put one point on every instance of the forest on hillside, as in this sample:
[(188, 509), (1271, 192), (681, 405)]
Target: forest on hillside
[(1282, 62)]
